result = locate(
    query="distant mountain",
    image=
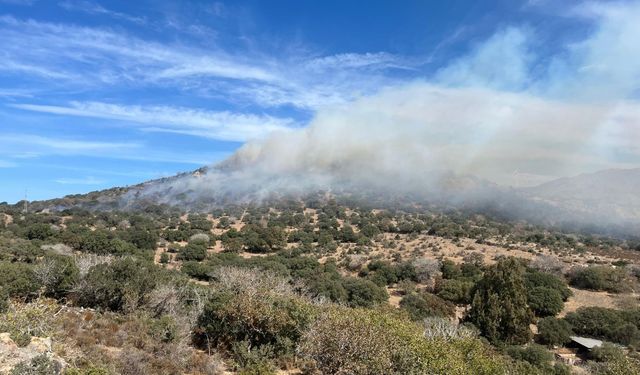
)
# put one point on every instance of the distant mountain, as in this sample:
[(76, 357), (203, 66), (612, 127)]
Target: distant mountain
[(609, 196)]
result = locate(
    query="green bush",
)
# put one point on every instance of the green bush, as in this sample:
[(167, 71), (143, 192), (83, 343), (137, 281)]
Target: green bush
[(537, 355), (456, 291), (58, 274), (39, 365), (363, 293), (39, 232), (552, 331), (424, 305), (18, 280), (544, 301), (197, 270), (194, 250), (363, 341), (601, 278), (254, 307), (534, 279), (609, 324), (123, 284), (4, 300)]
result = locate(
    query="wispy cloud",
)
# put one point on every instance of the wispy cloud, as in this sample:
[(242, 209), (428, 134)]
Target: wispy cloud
[(85, 57), (7, 164), (19, 2), (13, 146), (91, 7), (223, 125), (89, 180)]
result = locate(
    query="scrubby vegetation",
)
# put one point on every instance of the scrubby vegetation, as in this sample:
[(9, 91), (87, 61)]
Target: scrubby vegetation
[(316, 285)]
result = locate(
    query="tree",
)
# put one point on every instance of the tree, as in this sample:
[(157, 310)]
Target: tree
[(499, 308)]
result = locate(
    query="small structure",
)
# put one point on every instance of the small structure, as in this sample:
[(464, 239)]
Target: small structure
[(585, 343)]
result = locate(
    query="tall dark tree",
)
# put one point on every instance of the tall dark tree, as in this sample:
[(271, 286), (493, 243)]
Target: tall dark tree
[(499, 307)]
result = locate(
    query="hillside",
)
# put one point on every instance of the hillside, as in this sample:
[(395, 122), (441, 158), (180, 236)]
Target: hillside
[(606, 202), (609, 195)]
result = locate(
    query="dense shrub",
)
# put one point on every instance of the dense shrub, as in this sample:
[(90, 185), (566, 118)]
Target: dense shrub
[(601, 278), (552, 331), (609, 324), (360, 341), (38, 365), (384, 273), (363, 293), (197, 270), (18, 280), (536, 355), (123, 284), (544, 301), (57, 274), (610, 360), (39, 232), (256, 308), (423, 305), (259, 239), (534, 279), (456, 291), (4, 300), (195, 250)]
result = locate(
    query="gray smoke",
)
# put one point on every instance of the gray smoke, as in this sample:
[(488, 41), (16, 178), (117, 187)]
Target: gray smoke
[(483, 119)]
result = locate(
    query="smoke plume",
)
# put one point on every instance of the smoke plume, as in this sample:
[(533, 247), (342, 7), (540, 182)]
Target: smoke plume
[(499, 115)]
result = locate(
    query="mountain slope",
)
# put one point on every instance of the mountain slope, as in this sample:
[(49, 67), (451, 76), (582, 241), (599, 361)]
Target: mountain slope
[(609, 196)]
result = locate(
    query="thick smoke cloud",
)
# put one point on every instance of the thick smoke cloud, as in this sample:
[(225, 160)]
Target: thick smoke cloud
[(486, 115)]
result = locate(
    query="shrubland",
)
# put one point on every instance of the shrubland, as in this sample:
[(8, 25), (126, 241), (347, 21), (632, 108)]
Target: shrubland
[(318, 286)]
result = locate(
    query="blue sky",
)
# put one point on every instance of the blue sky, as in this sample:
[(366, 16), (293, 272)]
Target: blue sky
[(95, 94)]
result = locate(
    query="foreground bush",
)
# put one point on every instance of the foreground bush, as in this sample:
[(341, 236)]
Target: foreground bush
[(360, 341), (253, 310), (18, 280), (121, 285)]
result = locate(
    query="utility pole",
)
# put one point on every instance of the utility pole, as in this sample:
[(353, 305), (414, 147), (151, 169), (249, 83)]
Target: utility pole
[(26, 202)]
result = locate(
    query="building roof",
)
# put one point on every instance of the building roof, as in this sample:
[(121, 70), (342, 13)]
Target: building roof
[(586, 342)]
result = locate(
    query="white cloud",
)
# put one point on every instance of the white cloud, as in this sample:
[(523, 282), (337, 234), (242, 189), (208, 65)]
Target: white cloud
[(69, 56), (14, 146), (65, 145), (222, 125), (89, 180), (91, 7)]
